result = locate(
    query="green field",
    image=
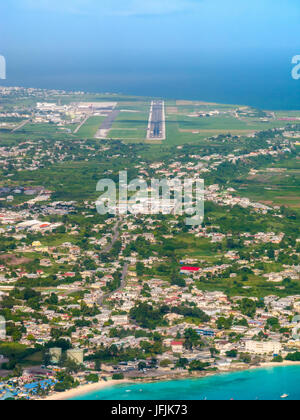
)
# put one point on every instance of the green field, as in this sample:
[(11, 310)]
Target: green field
[(89, 129), (130, 126), (132, 122), (275, 188), (183, 125)]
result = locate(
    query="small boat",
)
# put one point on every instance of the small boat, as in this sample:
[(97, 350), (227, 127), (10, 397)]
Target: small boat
[(284, 396)]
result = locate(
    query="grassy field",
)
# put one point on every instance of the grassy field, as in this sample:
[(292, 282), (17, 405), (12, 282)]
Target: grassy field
[(130, 126), (281, 187), (132, 122), (183, 124), (89, 129), (177, 137), (287, 114)]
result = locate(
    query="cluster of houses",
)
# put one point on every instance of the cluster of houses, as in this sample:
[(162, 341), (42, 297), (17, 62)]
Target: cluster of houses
[(81, 275)]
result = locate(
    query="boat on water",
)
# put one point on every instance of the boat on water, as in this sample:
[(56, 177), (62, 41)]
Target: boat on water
[(284, 396)]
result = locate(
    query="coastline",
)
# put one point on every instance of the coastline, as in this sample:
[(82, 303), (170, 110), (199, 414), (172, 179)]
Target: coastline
[(274, 364), (86, 389)]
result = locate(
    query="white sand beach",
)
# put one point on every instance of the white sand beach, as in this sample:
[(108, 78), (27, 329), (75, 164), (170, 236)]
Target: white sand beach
[(85, 389), (274, 364)]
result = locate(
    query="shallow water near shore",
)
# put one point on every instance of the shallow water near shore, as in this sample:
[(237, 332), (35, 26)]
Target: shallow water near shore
[(256, 384)]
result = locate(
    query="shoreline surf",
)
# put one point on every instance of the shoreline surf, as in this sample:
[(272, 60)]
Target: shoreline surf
[(86, 390)]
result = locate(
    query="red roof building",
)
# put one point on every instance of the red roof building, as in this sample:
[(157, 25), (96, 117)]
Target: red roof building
[(190, 268), (69, 275)]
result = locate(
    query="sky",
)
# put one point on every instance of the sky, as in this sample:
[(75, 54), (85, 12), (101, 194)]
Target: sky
[(143, 36), (148, 24)]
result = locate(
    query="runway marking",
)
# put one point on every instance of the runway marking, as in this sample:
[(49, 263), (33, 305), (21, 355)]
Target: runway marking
[(157, 121)]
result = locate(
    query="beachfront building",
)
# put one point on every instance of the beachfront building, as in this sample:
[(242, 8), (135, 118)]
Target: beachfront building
[(55, 355), (76, 355), (263, 347)]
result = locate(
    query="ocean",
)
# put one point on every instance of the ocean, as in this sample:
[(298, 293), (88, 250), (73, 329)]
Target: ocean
[(262, 79), (256, 384)]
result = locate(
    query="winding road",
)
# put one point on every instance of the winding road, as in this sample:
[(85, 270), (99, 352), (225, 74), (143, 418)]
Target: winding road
[(116, 235), (108, 248), (123, 284)]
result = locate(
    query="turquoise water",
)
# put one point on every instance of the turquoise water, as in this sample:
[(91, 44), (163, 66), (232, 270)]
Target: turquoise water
[(263, 384)]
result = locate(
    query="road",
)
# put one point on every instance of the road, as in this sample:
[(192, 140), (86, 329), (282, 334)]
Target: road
[(123, 284), (116, 235), (108, 248), (124, 276), (81, 124), (157, 124), (23, 123), (106, 125)]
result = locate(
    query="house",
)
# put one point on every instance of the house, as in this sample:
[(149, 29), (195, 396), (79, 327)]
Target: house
[(189, 270), (177, 346), (120, 319)]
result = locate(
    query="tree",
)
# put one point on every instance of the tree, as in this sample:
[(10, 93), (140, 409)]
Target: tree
[(117, 376), (224, 323), (92, 378), (142, 366), (46, 358), (277, 359), (65, 382), (198, 366), (165, 363), (214, 351), (182, 363), (53, 300), (273, 324), (146, 292), (191, 312), (192, 339), (140, 269), (148, 317), (71, 366), (177, 279), (293, 357), (245, 358), (98, 365), (17, 371), (232, 354), (248, 307)]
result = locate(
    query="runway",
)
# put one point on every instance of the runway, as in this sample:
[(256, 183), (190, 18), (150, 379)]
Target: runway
[(157, 123), (106, 125)]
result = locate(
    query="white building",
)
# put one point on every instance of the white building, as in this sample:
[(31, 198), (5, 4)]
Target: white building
[(177, 347), (263, 347), (55, 355), (76, 355)]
